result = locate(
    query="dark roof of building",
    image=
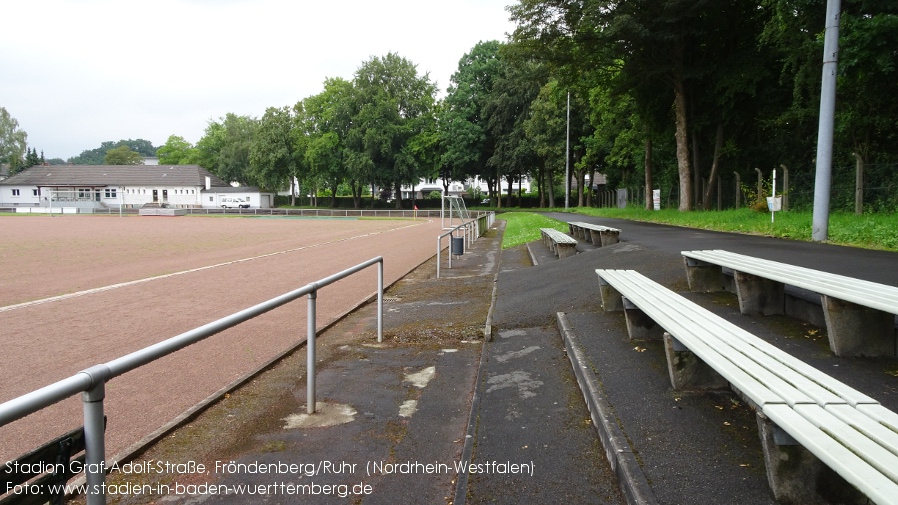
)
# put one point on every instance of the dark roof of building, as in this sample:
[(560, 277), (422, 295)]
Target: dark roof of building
[(115, 175)]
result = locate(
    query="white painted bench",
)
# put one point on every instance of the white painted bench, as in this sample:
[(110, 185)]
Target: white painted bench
[(597, 234), (841, 427), (859, 315), (558, 242)]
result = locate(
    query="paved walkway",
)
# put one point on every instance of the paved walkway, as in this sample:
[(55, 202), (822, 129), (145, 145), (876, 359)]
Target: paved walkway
[(398, 421)]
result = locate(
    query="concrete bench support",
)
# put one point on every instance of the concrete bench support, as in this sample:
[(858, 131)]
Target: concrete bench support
[(704, 277), (855, 330), (612, 301), (639, 325), (790, 467), (688, 371), (795, 474), (758, 295)]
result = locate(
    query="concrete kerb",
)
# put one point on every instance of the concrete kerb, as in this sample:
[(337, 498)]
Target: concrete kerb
[(461, 484), (631, 479)]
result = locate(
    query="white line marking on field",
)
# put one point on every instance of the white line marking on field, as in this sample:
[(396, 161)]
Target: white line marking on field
[(192, 270)]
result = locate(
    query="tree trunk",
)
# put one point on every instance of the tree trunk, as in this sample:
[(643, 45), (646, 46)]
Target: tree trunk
[(541, 187), (696, 172), (498, 190), (510, 190), (858, 184), (398, 195), (715, 167), (683, 165), (293, 191), (551, 187), (356, 189), (649, 187)]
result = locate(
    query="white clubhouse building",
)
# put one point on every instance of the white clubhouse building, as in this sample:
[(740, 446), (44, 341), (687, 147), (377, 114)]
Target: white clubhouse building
[(88, 187)]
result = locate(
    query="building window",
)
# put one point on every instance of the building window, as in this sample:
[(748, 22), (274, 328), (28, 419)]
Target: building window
[(84, 193), (15, 192), (210, 198), (111, 193), (34, 192)]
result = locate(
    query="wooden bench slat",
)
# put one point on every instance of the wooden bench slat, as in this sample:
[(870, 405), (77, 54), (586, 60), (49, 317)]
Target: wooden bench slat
[(881, 414), (868, 449), (558, 236), (591, 226), (867, 425)]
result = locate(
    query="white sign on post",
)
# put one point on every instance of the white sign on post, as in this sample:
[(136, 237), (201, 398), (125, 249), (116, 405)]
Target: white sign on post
[(656, 198)]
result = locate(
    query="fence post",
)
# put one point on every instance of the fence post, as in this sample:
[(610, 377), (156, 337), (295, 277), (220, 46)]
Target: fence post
[(310, 353), (785, 192), (760, 197)]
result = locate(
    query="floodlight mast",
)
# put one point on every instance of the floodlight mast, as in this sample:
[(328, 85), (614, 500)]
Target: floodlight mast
[(567, 157), (823, 178)]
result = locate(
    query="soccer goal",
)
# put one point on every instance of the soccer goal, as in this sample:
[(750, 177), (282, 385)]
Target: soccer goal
[(453, 207)]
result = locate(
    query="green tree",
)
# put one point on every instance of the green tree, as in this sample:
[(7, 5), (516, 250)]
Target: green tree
[(176, 151), (508, 108), (546, 128), (395, 113), (143, 148), (324, 121), (122, 155), (32, 159), (701, 53), (225, 147), (271, 155), (467, 140), (12, 142)]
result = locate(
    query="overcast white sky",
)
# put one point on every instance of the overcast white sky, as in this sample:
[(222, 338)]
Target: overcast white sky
[(75, 73)]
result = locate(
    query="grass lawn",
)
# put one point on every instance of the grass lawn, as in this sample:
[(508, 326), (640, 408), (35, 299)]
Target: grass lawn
[(523, 227), (871, 231)]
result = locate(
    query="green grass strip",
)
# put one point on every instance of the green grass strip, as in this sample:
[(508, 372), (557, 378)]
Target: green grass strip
[(523, 227)]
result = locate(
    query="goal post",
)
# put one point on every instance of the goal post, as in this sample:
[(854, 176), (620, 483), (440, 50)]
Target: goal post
[(453, 206)]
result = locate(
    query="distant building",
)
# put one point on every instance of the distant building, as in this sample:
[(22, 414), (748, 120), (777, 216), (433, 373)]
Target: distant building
[(456, 188), (127, 186)]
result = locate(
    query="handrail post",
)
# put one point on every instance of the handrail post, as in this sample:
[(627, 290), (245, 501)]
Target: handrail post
[(94, 443), (380, 300), (310, 353), (439, 240)]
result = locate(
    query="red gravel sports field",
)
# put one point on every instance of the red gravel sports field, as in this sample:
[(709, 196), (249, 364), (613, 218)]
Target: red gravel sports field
[(76, 291)]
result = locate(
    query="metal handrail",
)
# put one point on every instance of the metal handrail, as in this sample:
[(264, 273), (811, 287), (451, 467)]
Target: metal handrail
[(472, 232), (91, 383)]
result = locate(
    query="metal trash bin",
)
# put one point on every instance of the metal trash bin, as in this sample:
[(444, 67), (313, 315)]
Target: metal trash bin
[(457, 246)]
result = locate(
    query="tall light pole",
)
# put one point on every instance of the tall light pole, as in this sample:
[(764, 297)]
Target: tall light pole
[(823, 179), (567, 156)]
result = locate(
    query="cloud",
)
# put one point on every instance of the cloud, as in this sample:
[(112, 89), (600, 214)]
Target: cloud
[(80, 72)]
